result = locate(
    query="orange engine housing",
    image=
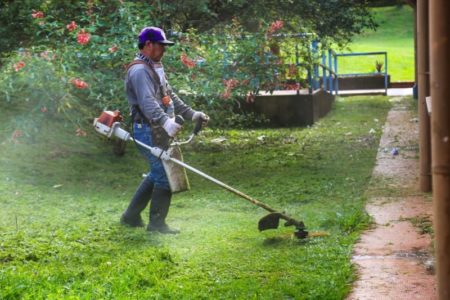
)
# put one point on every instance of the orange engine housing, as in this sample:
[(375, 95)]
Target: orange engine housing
[(108, 117)]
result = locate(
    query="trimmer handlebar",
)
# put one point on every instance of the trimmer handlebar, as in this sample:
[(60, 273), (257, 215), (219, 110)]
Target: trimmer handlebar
[(198, 126)]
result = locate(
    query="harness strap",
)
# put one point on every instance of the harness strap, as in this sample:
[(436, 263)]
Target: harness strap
[(153, 73)]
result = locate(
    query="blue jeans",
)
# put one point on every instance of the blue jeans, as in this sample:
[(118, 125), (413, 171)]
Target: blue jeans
[(157, 175)]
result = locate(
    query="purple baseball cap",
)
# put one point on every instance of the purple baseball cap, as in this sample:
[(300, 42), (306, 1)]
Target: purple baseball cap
[(154, 34)]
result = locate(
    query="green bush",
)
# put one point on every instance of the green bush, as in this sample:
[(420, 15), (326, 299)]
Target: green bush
[(34, 80), (77, 62)]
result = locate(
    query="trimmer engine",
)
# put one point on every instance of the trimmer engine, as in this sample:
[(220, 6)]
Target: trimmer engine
[(109, 124)]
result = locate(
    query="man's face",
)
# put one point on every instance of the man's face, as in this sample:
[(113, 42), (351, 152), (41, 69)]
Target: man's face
[(155, 50)]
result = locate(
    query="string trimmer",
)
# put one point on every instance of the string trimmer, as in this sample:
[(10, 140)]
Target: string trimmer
[(109, 123)]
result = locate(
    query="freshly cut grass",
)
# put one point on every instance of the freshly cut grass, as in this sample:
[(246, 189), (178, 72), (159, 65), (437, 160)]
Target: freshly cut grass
[(61, 197)]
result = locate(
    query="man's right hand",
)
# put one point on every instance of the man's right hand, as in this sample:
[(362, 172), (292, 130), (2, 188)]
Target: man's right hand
[(171, 127), (200, 115)]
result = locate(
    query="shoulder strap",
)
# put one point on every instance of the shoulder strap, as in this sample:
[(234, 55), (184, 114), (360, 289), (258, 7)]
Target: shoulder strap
[(135, 62), (154, 75), (165, 89)]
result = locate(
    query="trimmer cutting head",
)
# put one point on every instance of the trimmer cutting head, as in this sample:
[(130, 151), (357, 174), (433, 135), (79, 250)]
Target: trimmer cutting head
[(272, 221)]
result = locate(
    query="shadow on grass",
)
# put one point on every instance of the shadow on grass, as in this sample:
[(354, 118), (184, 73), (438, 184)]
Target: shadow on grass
[(290, 239)]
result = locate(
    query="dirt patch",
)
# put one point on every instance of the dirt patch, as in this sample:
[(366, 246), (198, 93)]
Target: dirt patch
[(394, 258)]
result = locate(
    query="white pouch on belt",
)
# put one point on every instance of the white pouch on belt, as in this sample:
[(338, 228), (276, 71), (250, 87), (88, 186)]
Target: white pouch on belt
[(176, 174)]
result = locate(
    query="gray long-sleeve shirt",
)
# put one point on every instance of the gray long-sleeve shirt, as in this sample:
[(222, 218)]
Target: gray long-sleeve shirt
[(142, 90)]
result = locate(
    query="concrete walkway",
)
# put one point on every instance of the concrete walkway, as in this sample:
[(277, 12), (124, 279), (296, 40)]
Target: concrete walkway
[(394, 258)]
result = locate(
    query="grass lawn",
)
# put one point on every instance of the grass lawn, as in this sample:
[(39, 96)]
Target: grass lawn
[(395, 35), (61, 197)]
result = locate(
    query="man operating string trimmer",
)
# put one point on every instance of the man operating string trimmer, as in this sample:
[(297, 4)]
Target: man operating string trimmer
[(153, 106)]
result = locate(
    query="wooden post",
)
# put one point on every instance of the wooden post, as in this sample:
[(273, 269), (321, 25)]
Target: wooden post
[(440, 137), (423, 69)]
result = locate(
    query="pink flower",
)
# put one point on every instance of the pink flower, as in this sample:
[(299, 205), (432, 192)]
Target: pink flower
[(230, 84), (19, 65), (80, 132), (83, 37), (44, 109), (37, 14), (79, 84), (275, 26), (187, 61), (72, 26), (113, 48)]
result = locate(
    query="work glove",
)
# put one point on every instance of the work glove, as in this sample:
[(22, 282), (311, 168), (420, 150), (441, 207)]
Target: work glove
[(171, 127), (200, 115)]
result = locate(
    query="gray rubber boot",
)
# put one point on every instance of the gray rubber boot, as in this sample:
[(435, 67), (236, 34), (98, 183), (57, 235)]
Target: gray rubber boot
[(132, 216), (159, 208)]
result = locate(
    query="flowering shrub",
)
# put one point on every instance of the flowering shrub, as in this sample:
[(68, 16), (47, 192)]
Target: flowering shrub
[(78, 63), (41, 88), (74, 65)]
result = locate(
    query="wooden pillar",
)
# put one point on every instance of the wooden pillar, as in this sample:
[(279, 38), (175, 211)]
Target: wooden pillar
[(440, 137), (423, 73)]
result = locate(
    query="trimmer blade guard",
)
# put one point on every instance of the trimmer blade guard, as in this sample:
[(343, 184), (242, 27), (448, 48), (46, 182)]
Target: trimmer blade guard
[(271, 221)]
